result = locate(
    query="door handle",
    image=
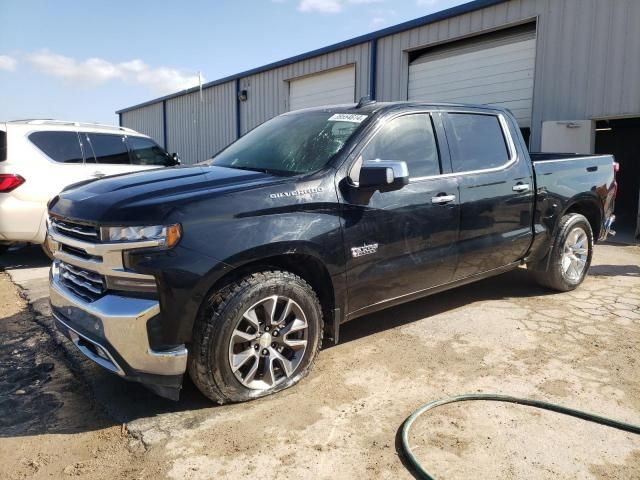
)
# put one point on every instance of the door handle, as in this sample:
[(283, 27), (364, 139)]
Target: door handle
[(442, 199), (99, 174), (521, 187)]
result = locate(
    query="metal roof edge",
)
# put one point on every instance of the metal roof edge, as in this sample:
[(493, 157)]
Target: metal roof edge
[(401, 27)]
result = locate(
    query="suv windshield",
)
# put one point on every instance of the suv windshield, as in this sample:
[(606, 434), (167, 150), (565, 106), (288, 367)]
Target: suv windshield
[(291, 144)]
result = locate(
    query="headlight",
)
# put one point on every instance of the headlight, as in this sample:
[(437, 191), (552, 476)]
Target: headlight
[(167, 235)]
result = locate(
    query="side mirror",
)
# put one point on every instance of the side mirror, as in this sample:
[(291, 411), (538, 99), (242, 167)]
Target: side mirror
[(176, 159), (383, 174)]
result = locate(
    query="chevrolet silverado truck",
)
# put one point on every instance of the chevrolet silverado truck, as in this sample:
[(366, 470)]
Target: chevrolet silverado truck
[(235, 269)]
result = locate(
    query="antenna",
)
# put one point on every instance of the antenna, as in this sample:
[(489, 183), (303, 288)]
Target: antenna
[(365, 101)]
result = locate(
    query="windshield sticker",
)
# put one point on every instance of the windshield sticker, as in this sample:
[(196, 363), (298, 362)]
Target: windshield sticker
[(347, 117)]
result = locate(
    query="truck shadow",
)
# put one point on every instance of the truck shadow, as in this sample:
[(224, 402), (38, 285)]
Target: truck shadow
[(29, 256), (615, 271), (514, 284)]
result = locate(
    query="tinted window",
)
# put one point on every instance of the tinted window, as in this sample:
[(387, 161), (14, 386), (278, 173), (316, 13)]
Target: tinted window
[(146, 152), (3, 145), (408, 138), (290, 144), (106, 148), (61, 147), (477, 142)]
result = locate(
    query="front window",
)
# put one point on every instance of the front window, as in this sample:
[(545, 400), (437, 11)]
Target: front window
[(291, 144), (145, 151)]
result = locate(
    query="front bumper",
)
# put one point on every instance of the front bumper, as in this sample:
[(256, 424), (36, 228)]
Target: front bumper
[(112, 331)]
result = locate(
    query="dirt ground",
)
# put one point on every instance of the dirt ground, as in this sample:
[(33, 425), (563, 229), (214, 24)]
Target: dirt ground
[(505, 335)]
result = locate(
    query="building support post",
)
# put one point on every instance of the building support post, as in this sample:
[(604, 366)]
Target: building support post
[(373, 67), (164, 124)]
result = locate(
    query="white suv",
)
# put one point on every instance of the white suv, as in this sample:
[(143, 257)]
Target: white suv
[(38, 158)]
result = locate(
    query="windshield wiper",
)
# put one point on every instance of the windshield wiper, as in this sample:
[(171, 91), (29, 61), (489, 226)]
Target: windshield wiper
[(268, 171)]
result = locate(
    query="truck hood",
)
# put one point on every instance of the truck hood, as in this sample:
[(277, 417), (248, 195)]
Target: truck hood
[(149, 196)]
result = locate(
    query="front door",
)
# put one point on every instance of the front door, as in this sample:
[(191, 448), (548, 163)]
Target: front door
[(403, 241)]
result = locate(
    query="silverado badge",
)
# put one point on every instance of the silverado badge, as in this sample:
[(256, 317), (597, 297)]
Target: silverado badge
[(364, 250)]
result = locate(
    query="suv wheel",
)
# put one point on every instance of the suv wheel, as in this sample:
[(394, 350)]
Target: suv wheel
[(570, 256), (255, 337)]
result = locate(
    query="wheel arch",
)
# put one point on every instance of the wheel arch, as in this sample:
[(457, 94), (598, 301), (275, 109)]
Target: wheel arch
[(299, 260), (589, 207)]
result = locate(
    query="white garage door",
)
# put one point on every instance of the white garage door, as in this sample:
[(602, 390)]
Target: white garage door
[(326, 88), (495, 71)]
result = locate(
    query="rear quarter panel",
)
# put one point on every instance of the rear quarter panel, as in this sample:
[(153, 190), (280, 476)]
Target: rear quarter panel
[(561, 184)]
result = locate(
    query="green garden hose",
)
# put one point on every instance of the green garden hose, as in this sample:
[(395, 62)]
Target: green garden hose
[(590, 417)]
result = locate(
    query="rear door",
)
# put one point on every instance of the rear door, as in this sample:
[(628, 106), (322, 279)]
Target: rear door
[(496, 191), (63, 163), (402, 241)]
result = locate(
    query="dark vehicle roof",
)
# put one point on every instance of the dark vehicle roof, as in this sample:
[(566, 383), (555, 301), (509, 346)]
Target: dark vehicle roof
[(381, 107)]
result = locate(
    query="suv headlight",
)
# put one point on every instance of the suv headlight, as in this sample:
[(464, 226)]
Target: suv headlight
[(167, 235)]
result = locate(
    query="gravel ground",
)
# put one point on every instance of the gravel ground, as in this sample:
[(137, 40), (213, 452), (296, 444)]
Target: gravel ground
[(506, 335)]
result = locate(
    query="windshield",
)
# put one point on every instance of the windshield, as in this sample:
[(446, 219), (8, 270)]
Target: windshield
[(291, 144)]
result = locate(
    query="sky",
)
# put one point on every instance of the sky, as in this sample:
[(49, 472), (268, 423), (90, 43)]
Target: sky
[(83, 60)]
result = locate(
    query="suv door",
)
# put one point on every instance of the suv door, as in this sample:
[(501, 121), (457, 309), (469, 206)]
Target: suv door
[(107, 154), (402, 241), (496, 192), (63, 167), (146, 152)]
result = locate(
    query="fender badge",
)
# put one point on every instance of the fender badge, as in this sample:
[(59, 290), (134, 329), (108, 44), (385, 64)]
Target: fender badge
[(297, 193), (364, 250)]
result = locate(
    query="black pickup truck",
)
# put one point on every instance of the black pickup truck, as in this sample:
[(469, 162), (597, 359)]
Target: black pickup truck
[(235, 269)]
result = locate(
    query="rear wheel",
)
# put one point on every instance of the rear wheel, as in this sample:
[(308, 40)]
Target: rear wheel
[(570, 257), (255, 337)]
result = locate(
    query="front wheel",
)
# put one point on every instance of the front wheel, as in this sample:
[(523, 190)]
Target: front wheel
[(570, 256), (255, 337)]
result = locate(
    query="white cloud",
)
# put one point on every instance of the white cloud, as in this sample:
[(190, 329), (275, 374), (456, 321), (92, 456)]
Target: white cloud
[(330, 6), (96, 71), (7, 63)]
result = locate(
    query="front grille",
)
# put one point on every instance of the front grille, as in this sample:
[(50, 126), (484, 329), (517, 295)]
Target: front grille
[(81, 231), (78, 252), (88, 285)]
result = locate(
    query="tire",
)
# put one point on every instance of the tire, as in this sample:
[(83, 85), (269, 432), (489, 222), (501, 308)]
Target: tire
[(4, 248), (234, 326), (556, 275)]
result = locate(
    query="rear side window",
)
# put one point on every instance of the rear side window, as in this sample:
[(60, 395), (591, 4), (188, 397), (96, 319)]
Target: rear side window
[(477, 142), (3, 145), (409, 138), (105, 148), (147, 152), (63, 147)]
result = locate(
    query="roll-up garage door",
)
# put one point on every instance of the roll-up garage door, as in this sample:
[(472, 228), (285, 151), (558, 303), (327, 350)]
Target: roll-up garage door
[(326, 88), (495, 69)]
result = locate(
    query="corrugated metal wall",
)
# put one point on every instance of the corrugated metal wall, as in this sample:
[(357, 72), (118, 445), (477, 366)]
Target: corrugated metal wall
[(587, 58), (147, 120), (268, 92), (197, 130), (586, 67)]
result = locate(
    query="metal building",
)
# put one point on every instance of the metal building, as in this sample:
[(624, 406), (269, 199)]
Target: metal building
[(568, 69)]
